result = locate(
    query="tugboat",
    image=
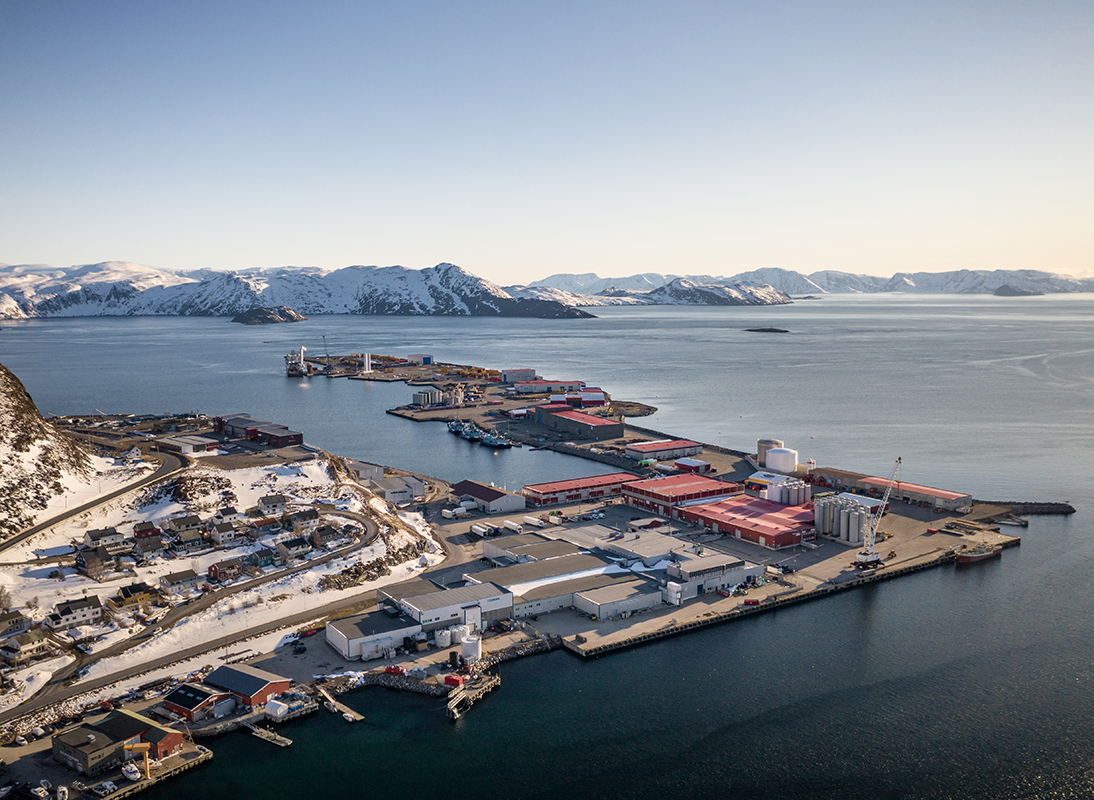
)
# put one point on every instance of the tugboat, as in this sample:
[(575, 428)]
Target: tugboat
[(978, 553), (471, 433), (494, 440), (456, 426)]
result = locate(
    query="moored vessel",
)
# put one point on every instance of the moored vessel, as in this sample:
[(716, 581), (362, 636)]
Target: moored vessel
[(978, 553)]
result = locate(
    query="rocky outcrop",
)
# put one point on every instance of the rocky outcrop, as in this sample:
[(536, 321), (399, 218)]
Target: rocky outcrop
[(268, 316)]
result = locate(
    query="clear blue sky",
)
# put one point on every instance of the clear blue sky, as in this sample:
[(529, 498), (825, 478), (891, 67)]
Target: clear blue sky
[(520, 139)]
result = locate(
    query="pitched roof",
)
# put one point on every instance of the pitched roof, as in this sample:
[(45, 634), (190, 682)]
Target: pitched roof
[(480, 491), (242, 679), (191, 695)]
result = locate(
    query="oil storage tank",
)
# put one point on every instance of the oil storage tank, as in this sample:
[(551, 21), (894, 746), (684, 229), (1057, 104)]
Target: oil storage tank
[(471, 649), (762, 448), (782, 459), (444, 638)]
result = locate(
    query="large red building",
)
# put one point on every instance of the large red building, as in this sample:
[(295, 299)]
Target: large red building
[(663, 496), (662, 449), (769, 524), (594, 488)]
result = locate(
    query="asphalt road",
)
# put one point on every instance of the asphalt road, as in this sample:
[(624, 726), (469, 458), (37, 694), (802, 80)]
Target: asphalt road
[(169, 466)]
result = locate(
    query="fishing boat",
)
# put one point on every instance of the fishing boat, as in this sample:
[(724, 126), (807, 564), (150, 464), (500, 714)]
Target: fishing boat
[(62, 792), (978, 553), (494, 440), (456, 426), (471, 433), (348, 717), (130, 771)]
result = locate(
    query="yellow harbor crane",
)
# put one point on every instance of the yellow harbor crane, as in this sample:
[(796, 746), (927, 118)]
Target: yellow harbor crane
[(142, 747)]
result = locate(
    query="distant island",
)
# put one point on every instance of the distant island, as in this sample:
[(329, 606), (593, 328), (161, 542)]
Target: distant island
[(1006, 290), (268, 316), (767, 330)]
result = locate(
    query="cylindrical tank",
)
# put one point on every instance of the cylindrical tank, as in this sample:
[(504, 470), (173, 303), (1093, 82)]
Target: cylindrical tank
[(844, 523), (810, 465), (471, 649), (459, 633), (444, 638), (762, 446), (782, 459), (855, 532)]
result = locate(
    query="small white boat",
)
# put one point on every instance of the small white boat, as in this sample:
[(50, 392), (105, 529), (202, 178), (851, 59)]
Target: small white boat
[(62, 792), (348, 717), (130, 771), (45, 785), (39, 792)]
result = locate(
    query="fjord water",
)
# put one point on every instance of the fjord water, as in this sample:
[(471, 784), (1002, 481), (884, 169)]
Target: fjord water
[(973, 682)]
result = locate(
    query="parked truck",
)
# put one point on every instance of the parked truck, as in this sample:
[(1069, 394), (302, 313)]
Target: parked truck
[(481, 530), (535, 521), (514, 526)]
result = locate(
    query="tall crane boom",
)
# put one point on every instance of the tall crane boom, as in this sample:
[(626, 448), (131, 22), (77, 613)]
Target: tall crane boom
[(868, 558)]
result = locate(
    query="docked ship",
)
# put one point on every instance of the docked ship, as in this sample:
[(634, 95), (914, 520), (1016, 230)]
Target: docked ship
[(471, 433), (978, 553), (494, 440), (456, 426), (294, 364)]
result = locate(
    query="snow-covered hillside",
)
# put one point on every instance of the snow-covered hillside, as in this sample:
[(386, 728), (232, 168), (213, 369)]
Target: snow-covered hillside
[(37, 462), (123, 289), (985, 282)]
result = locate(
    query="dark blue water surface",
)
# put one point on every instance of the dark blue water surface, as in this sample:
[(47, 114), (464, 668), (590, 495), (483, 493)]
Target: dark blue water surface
[(974, 682)]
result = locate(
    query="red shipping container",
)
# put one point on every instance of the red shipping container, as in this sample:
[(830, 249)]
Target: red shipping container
[(453, 680)]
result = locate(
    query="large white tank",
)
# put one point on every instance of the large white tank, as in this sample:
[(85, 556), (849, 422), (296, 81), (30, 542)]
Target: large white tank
[(444, 638), (471, 649), (762, 448), (855, 533), (459, 633), (844, 524), (782, 459)]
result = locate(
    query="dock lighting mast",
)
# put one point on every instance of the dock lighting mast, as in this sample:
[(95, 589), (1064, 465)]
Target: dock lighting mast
[(327, 351), (867, 558)]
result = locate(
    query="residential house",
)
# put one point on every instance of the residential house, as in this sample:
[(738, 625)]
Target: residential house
[(131, 596), (302, 522), (325, 534), (188, 542), (103, 536), (227, 514), (145, 530), (149, 547), (82, 611), (178, 582), (13, 623), (273, 505), (258, 528), (226, 570), (20, 649), (191, 522), (293, 548), (265, 557), (223, 534), (94, 562)]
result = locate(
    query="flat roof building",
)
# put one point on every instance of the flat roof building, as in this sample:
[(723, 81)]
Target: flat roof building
[(477, 606), (913, 492), (663, 496), (764, 522), (618, 599), (515, 577), (584, 426), (662, 449), (489, 499), (363, 637), (576, 490), (546, 387)]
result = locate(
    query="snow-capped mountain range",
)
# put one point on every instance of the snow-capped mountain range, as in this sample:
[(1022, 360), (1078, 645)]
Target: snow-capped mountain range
[(828, 281), (118, 288)]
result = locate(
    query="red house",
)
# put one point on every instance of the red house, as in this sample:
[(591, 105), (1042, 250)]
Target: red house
[(226, 570), (250, 685)]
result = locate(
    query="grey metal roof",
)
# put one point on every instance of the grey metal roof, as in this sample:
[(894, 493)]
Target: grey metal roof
[(518, 540), (571, 586), (453, 597), (242, 679), (413, 588), (363, 625), (619, 591), (542, 550), (538, 570), (191, 695)]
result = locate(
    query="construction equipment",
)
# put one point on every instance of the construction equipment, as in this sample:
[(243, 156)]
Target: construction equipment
[(142, 747), (867, 558)]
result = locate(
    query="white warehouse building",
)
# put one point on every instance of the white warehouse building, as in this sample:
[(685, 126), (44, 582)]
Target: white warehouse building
[(366, 636), (477, 606)]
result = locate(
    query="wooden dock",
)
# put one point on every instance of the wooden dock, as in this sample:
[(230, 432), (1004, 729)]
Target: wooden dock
[(341, 708), (465, 696), (268, 735)]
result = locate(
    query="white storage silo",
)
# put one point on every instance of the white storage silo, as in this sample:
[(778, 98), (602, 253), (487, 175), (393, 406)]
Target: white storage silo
[(459, 633), (844, 524), (444, 638), (856, 528), (782, 459), (471, 649), (762, 448)]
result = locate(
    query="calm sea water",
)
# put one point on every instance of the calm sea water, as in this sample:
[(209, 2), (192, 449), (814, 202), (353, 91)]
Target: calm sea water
[(950, 683)]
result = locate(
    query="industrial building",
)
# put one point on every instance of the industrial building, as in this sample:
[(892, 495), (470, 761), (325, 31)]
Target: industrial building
[(91, 749), (618, 599), (663, 449), (699, 571), (547, 387), (583, 399), (914, 493), (489, 499), (559, 595), (662, 496), (517, 375), (754, 519), (524, 547), (646, 547), (398, 489), (244, 426), (688, 464), (477, 606), (363, 637), (196, 701), (420, 358), (579, 489), (188, 444), (250, 686), (540, 572), (580, 424)]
